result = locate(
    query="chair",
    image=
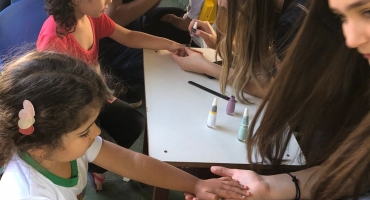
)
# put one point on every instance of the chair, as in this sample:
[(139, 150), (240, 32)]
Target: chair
[(4, 4), (209, 11), (14, 1), (20, 24)]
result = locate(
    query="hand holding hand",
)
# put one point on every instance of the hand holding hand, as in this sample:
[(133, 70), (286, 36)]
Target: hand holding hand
[(257, 186), (190, 60), (205, 31), (176, 47), (224, 187)]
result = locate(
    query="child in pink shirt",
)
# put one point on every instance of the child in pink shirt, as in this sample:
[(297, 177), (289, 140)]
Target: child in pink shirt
[(75, 28)]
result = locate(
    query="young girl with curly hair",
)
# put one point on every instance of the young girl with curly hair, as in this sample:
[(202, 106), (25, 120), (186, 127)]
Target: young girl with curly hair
[(48, 106)]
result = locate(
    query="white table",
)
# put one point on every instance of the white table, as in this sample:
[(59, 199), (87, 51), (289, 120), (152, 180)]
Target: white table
[(177, 114)]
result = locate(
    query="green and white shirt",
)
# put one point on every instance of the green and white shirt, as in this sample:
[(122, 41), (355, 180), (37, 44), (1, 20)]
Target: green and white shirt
[(25, 179)]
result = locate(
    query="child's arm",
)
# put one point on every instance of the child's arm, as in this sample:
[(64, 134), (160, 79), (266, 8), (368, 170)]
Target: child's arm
[(151, 171), (135, 39), (178, 22)]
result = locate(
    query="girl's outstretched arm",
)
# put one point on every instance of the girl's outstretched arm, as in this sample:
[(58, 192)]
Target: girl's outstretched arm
[(148, 170), (139, 40)]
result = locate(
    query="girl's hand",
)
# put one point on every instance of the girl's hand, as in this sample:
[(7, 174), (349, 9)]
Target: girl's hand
[(224, 187), (205, 31), (173, 47), (190, 60)]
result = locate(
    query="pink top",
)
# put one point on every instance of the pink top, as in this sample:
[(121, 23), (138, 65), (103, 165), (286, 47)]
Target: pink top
[(102, 27)]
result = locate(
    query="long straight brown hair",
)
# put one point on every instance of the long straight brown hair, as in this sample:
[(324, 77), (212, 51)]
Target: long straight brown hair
[(350, 161), (321, 92), (245, 34)]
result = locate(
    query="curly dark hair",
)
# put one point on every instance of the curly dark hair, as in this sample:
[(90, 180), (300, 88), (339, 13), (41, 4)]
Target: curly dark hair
[(64, 15), (62, 90)]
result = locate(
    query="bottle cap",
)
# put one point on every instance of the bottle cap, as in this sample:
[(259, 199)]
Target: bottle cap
[(214, 102), (195, 26), (246, 114)]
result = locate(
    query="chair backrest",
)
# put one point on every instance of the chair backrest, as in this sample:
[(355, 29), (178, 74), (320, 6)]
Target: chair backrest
[(209, 11), (4, 4), (14, 1), (20, 24)]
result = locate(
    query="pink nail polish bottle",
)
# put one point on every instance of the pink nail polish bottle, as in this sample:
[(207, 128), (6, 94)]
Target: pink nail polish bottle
[(230, 108)]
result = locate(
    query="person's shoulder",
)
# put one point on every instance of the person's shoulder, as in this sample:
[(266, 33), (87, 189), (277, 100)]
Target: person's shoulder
[(50, 41), (49, 26), (20, 182), (102, 22), (93, 151), (101, 19)]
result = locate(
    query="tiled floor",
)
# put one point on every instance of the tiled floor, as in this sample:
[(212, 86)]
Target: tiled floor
[(114, 187)]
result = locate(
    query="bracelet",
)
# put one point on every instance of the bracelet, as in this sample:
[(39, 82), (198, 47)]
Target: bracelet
[(298, 191)]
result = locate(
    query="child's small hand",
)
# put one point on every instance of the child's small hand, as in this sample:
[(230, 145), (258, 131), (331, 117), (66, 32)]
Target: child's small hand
[(176, 47), (224, 187)]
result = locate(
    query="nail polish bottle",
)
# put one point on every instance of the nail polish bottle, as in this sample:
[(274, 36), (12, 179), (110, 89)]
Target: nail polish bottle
[(243, 130), (194, 29), (211, 120), (230, 108)]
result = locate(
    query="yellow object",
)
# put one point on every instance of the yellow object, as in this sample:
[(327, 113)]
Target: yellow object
[(209, 11)]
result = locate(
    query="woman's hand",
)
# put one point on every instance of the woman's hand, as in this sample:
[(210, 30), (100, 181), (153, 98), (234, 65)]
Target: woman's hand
[(191, 61), (214, 189), (205, 31)]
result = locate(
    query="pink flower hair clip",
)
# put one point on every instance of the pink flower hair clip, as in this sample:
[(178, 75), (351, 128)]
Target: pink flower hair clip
[(26, 118)]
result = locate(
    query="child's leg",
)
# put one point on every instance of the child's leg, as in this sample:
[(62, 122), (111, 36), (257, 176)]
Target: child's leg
[(123, 62), (122, 122)]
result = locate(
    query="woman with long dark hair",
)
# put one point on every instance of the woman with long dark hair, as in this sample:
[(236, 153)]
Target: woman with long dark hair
[(323, 93)]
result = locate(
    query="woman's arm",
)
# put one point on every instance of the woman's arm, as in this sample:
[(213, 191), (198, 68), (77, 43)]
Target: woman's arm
[(151, 171), (135, 39), (258, 91), (278, 186), (196, 62), (282, 186)]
